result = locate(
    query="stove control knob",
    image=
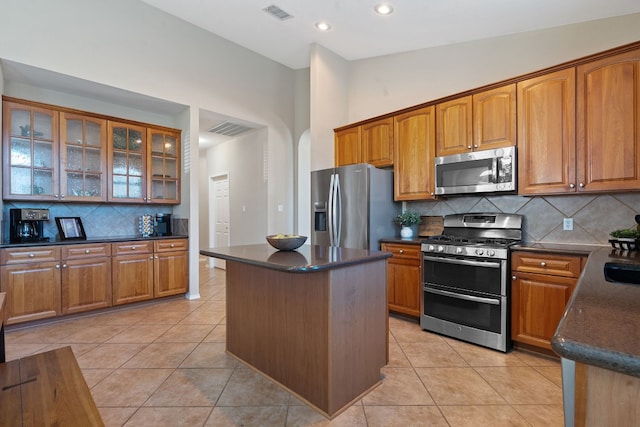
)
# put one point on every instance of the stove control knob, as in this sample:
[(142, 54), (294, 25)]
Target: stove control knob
[(479, 251), (431, 248), (440, 248), (459, 250), (491, 252)]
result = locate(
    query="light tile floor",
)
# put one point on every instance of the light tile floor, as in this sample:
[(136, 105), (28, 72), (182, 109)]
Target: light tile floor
[(164, 364)]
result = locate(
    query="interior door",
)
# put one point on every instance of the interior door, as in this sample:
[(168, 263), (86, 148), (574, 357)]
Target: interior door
[(220, 213)]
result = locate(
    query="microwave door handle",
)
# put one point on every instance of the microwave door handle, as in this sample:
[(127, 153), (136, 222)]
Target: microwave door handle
[(495, 170), (330, 211), (464, 297)]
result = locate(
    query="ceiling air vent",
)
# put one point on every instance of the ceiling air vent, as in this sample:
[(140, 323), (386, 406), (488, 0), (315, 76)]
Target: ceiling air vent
[(229, 129), (276, 12)]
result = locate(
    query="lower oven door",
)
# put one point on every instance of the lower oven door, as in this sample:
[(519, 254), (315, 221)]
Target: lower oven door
[(476, 318)]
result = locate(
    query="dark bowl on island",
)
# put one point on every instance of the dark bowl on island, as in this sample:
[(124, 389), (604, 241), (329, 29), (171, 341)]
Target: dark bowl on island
[(286, 243)]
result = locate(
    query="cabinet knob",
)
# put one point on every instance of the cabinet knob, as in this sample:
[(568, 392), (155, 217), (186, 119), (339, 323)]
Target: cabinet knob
[(32, 255), (475, 145), (133, 248), (64, 265), (172, 245), (543, 264), (468, 147), (58, 266), (572, 185), (581, 185), (514, 278), (401, 251), (87, 251), (151, 257)]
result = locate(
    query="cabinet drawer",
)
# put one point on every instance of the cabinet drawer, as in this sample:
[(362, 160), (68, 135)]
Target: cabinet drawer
[(403, 251), (86, 251), (31, 254), (127, 248), (171, 245), (551, 264)]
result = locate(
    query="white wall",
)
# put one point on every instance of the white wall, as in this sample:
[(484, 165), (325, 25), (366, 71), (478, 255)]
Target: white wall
[(242, 158), (388, 83), (329, 103)]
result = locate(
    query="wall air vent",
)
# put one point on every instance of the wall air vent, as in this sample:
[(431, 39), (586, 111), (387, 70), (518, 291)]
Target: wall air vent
[(277, 13), (229, 129)]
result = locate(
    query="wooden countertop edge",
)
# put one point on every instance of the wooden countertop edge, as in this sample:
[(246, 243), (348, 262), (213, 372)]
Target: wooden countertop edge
[(116, 239)]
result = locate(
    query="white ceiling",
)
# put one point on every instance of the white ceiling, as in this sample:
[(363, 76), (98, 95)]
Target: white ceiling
[(358, 33)]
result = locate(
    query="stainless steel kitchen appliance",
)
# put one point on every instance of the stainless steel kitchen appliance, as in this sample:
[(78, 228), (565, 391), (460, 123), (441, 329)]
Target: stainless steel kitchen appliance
[(27, 225), (352, 206), (486, 171), (466, 278)]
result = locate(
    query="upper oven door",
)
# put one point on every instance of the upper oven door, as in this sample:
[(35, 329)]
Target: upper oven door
[(484, 276), (477, 172)]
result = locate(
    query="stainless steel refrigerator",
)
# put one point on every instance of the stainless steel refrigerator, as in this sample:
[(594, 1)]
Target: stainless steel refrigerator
[(352, 206)]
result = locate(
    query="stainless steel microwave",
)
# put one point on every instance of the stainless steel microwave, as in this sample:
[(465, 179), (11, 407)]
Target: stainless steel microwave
[(487, 171)]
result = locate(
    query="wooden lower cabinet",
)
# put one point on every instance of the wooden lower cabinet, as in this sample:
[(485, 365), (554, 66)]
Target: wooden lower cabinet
[(541, 285), (171, 267), (85, 277), (33, 291), (404, 282), (132, 272)]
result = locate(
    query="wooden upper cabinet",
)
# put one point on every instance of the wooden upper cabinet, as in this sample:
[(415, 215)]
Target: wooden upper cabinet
[(494, 118), (127, 163), (608, 123), (546, 133), (377, 142), (454, 126), (30, 152), (414, 151), (347, 146), (164, 164), (483, 121), (83, 158)]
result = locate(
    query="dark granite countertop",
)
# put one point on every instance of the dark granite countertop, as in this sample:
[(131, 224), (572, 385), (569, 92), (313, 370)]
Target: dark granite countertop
[(559, 248), (306, 259), (112, 239), (601, 325)]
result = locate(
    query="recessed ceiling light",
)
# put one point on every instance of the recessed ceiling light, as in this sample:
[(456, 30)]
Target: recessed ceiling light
[(383, 9), (323, 26)]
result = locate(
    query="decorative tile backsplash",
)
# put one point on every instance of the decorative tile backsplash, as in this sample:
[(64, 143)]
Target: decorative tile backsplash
[(594, 216), (98, 220)]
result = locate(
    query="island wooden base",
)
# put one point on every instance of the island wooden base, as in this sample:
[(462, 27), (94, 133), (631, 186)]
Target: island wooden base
[(321, 335)]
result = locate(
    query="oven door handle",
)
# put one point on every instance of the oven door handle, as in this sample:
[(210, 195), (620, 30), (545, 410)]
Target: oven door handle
[(462, 296), (462, 261)]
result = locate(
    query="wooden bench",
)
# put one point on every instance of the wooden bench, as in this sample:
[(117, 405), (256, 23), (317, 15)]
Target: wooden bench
[(46, 389)]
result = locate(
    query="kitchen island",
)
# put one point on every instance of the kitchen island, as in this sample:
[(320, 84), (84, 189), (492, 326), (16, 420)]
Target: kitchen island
[(598, 339), (314, 320)]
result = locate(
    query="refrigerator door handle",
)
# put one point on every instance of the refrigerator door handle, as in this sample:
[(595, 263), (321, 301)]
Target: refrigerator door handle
[(330, 210), (338, 209)]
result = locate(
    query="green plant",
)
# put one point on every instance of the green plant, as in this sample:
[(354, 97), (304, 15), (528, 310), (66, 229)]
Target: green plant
[(407, 219), (626, 233)]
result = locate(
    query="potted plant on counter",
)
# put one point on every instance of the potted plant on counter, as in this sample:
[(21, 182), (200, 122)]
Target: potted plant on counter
[(407, 220)]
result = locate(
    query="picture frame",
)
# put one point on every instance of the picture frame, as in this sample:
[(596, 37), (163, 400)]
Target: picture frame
[(70, 228)]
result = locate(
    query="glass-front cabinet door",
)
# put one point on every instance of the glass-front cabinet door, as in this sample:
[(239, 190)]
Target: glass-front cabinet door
[(30, 152), (127, 155), (83, 158), (164, 163)]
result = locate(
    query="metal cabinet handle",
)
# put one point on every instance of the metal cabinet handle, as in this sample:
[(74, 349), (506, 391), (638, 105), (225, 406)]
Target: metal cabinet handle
[(401, 251), (87, 251), (543, 264), (581, 185), (64, 265), (514, 278), (133, 248), (58, 266), (468, 147), (172, 245), (32, 255), (475, 145)]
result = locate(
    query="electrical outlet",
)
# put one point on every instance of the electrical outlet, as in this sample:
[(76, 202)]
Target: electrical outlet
[(567, 224)]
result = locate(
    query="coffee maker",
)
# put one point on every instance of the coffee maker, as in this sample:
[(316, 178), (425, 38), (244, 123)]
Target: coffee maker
[(26, 225), (162, 224)]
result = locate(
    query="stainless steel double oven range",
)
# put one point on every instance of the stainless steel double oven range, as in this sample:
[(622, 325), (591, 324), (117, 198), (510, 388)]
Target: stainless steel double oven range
[(466, 278)]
